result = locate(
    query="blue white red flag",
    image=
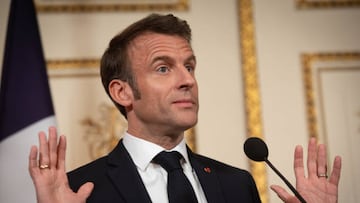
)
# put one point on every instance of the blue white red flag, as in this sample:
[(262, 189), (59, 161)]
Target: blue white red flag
[(25, 101)]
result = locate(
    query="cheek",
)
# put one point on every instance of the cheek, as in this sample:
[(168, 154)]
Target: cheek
[(154, 90), (151, 96)]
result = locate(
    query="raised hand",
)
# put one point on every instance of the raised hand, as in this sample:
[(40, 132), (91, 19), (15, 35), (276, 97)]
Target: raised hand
[(316, 187), (47, 170)]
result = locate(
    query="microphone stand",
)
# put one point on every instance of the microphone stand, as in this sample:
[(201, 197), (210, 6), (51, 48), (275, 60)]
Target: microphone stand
[(302, 200)]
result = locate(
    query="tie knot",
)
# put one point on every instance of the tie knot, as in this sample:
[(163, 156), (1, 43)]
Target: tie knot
[(170, 161)]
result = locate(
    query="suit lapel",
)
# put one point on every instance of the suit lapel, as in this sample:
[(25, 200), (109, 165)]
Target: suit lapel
[(208, 179), (124, 175)]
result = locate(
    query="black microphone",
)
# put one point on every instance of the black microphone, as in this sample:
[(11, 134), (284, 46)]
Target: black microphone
[(256, 149)]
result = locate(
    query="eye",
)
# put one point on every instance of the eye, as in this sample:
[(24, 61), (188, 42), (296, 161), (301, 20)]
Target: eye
[(190, 68), (163, 69)]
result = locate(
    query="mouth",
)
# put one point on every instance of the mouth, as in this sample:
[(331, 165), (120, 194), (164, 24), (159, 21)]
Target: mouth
[(185, 103)]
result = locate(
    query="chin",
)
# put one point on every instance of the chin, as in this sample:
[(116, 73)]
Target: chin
[(186, 121), (189, 125)]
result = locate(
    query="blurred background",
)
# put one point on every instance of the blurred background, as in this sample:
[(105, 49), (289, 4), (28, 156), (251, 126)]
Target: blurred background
[(280, 70)]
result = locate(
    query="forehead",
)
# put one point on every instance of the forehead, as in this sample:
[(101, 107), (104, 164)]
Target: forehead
[(149, 43)]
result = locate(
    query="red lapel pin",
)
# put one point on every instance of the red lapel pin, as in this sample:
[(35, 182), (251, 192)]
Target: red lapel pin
[(207, 170)]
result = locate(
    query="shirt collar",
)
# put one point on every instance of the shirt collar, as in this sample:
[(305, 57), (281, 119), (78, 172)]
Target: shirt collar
[(142, 152)]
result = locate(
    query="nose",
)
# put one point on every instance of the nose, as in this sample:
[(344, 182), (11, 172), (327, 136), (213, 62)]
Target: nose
[(186, 78)]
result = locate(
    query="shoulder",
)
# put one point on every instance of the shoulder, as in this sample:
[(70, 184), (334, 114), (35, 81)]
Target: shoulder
[(224, 171), (235, 183), (91, 172), (218, 165), (99, 167), (90, 167)]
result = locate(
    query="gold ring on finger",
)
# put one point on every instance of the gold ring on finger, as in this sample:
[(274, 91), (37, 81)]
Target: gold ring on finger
[(44, 166), (322, 175)]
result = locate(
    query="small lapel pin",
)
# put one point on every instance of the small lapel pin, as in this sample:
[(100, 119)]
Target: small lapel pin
[(207, 170)]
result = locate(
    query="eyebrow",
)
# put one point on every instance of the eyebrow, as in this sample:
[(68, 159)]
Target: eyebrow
[(167, 58), (191, 58)]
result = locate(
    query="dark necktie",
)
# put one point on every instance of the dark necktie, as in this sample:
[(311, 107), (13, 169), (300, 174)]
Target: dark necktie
[(178, 186)]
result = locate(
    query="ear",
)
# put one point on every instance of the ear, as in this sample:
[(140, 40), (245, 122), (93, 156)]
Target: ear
[(120, 92)]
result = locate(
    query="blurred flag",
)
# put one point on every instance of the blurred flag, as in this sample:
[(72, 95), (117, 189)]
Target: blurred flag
[(25, 102)]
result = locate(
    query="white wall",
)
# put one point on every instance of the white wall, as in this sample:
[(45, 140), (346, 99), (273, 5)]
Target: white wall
[(282, 34)]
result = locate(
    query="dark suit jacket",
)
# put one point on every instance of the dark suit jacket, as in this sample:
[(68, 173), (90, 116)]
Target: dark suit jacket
[(116, 179)]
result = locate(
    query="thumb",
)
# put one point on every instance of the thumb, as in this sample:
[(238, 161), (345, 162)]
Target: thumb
[(85, 190)]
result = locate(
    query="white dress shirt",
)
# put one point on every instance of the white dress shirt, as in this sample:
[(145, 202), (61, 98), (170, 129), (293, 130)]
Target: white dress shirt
[(153, 175)]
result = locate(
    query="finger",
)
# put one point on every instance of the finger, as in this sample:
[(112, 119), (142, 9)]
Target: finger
[(311, 158), (61, 153), (85, 191), (33, 163), (299, 164), (281, 193), (43, 150), (321, 161), (53, 147), (335, 174)]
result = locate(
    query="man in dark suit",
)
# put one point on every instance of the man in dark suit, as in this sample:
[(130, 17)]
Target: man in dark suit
[(116, 180), (148, 72)]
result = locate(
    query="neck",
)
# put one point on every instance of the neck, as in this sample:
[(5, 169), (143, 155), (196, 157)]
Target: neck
[(166, 140)]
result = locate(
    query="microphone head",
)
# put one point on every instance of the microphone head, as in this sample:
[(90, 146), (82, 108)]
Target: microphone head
[(256, 149)]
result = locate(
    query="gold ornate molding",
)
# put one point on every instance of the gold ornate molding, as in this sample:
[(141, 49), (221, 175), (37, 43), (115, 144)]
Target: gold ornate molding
[(190, 136), (104, 132), (308, 60), (316, 4), (251, 88), (74, 68), (73, 63), (179, 5)]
